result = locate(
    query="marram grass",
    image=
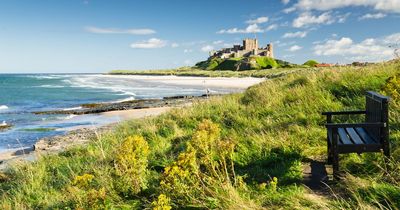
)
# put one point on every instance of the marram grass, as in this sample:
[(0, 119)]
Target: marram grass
[(240, 151)]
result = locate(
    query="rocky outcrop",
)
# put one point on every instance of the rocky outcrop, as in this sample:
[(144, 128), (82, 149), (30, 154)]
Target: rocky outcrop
[(126, 105)]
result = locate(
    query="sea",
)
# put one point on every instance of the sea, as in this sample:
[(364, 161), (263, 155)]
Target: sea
[(22, 94)]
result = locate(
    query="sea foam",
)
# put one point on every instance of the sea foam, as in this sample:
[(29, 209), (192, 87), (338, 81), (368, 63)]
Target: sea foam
[(3, 107)]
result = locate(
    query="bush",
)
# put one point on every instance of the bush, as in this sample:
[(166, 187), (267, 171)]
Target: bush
[(392, 87), (266, 62), (311, 63), (131, 165)]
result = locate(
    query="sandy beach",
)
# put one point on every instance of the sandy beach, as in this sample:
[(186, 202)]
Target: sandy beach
[(222, 82)]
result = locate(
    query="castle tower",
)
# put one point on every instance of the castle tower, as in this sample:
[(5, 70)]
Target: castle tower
[(250, 44), (270, 50)]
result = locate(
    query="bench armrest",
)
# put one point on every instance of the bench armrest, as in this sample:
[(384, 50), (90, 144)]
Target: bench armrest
[(353, 125), (345, 112)]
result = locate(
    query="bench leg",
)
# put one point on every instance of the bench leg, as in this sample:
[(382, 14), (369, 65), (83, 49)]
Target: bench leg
[(335, 164), (335, 153), (386, 150), (330, 158)]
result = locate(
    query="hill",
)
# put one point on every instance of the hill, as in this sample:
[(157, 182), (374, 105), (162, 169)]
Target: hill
[(239, 151), (243, 63)]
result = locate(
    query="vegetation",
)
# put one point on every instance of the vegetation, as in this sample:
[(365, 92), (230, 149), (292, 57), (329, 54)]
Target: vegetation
[(266, 73), (311, 63), (239, 151), (241, 64)]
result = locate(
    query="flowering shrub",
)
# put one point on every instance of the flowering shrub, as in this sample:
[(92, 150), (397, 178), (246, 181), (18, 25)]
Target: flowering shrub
[(83, 181), (274, 184), (83, 193), (202, 169), (131, 165), (162, 203), (392, 87)]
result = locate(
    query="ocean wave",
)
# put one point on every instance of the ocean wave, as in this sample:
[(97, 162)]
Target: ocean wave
[(48, 76), (73, 108), (51, 86), (98, 82), (66, 117), (3, 107), (124, 100)]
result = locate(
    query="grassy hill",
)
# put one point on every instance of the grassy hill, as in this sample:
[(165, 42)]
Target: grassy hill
[(240, 151), (239, 64)]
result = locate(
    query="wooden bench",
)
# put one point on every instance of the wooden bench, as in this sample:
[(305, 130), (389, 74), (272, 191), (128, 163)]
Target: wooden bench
[(370, 136)]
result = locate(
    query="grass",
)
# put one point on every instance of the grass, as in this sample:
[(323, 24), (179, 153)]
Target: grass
[(266, 73), (239, 151)]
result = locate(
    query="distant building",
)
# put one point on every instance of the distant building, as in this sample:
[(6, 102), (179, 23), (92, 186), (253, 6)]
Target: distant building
[(250, 48), (323, 65)]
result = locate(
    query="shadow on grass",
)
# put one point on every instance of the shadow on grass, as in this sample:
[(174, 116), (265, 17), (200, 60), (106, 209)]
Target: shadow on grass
[(280, 163)]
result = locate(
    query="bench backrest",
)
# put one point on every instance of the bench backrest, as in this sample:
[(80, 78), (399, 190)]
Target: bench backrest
[(377, 110)]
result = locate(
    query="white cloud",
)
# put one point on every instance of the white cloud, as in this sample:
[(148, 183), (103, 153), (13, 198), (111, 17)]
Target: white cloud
[(218, 42), (272, 27), (207, 48), (392, 39), (307, 19), (149, 44), (372, 16), (343, 18), (96, 30), (174, 45), (324, 5), (289, 10), (285, 1), (258, 20), (294, 48), (368, 50), (187, 50), (253, 28), (298, 34)]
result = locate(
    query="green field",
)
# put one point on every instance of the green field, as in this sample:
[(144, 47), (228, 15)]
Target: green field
[(239, 151)]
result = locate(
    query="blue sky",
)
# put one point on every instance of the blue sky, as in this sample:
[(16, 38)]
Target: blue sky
[(101, 35)]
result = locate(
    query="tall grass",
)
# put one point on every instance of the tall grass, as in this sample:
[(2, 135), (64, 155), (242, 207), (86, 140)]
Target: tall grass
[(240, 151)]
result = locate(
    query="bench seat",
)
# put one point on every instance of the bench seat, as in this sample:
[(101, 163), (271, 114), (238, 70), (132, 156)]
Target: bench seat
[(355, 140)]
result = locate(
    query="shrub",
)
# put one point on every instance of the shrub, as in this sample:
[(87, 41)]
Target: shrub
[(311, 63), (83, 181), (162, 203), (266, 62), (203, 171), (131, 165), (392, 87)]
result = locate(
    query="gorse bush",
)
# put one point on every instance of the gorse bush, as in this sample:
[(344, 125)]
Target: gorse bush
[(392, 87), (131, 165), (202, 170)]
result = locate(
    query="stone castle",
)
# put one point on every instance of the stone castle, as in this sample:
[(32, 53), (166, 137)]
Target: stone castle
[(250, 48)]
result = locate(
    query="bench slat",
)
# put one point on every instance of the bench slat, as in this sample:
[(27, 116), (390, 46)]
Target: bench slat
[(354, 136), (343, 136), (364, 135)]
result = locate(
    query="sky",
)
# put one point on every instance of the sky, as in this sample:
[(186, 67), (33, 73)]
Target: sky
[(89, 36)]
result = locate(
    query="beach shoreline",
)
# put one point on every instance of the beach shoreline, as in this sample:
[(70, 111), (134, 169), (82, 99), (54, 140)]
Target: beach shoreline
[(122, 111), (76, 137)]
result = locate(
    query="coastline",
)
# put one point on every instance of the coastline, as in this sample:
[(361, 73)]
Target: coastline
[(123, 111), (78, 136)]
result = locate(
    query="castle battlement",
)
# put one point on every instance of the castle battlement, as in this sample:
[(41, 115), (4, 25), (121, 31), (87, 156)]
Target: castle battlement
[(250, 48)]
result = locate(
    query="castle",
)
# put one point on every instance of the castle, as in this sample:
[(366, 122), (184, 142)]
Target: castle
[(249, 48)]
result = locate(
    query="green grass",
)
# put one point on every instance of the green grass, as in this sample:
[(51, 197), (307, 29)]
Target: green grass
[(223, 153), (265, 73)]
